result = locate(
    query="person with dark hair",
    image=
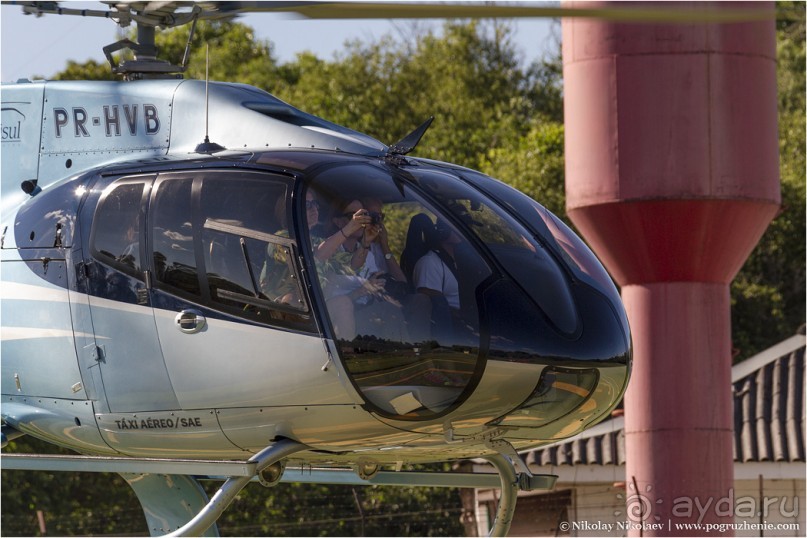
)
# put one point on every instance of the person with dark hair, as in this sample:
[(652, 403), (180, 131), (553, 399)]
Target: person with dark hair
[(435, 273), (418, 238), (435, 276)]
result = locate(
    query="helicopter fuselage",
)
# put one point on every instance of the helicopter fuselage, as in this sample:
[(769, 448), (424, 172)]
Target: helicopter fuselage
[(159, 302)]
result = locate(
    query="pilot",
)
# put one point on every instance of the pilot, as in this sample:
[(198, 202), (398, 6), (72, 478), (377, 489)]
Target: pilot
[(435, 276)]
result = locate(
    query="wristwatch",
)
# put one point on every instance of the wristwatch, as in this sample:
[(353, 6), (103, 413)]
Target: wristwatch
[(388, 256)]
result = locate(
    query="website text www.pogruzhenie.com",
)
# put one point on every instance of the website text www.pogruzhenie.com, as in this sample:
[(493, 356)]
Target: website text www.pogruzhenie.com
[(739, 526)]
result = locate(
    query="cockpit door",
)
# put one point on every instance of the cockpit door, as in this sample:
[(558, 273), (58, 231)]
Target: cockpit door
[(129, 360), (234, 319)]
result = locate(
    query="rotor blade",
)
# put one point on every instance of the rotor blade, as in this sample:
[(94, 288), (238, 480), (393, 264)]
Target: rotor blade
[(42, 8), (663, 12), (160, 13)]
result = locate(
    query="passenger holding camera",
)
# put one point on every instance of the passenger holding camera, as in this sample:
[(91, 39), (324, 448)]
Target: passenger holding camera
[(352, 276), (345, 233), (379, 249), (350, 246)]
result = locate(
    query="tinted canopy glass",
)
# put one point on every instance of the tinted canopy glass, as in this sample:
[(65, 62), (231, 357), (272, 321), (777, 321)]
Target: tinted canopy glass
[(401, 285), (425, 277)]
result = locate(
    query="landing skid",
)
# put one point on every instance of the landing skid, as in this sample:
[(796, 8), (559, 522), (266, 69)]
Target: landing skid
[(170, 494)]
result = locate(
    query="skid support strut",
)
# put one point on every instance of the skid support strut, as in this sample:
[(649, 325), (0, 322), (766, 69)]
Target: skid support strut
[(228, 491), (509, 494)]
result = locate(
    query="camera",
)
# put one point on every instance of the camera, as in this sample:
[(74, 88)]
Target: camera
[(375, 217)]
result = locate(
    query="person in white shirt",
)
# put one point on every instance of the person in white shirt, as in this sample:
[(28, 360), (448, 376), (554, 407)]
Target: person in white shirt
[(435, 276)]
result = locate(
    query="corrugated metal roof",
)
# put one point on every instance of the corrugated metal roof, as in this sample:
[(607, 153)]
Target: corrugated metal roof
[(768, 416)]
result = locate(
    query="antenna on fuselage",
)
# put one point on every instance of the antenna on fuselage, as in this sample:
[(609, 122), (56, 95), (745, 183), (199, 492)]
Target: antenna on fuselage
[(207, 146), (410, 141)]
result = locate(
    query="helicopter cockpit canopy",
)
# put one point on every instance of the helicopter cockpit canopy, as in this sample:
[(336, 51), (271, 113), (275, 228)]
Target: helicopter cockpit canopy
[(480, 285)]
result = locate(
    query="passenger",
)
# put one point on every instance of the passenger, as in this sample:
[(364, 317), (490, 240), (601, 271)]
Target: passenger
[(418, 243), (338, 256), (131, 253), (275, 280), (379, 248), (349, 236), (435, 276), (351, 277)]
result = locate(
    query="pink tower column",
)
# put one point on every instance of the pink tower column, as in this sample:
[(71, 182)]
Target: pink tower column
[(672, 177)]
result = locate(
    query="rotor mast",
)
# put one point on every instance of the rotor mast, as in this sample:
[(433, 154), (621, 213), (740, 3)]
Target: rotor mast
[(145, 63)]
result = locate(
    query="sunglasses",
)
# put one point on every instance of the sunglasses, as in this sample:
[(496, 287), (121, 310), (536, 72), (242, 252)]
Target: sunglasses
[(311, 204)]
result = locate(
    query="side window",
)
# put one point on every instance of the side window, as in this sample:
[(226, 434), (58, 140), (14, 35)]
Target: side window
[(116, 238), (172, 236), (249, 251)]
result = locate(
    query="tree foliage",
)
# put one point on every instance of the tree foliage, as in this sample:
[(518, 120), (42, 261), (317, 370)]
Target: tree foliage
[(468, 79), (89, 70), (92, 504), (71, 503), (235, 54), (771, 285)]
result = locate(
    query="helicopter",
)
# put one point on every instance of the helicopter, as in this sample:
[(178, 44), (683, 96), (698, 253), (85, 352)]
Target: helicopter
[(201, 279)]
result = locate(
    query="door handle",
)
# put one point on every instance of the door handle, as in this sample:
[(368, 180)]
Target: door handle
[(190, 321)]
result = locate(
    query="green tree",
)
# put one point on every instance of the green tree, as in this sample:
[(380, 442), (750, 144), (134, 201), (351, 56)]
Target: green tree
[(771, 285), (89, 70), (468, 78), (235, 55), (71, 503), (535, 166), (290, 509), (103, 504)]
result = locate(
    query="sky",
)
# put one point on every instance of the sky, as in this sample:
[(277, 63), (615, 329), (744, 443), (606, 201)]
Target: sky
[(31, 46)]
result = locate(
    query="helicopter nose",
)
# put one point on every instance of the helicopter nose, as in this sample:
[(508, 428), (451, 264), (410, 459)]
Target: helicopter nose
[(558, 333), (540, 383), (565, 381), (524, 332)]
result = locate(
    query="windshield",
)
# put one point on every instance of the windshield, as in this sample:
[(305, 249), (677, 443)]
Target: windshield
[(520, 255), (554, 233), (401, 285)]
